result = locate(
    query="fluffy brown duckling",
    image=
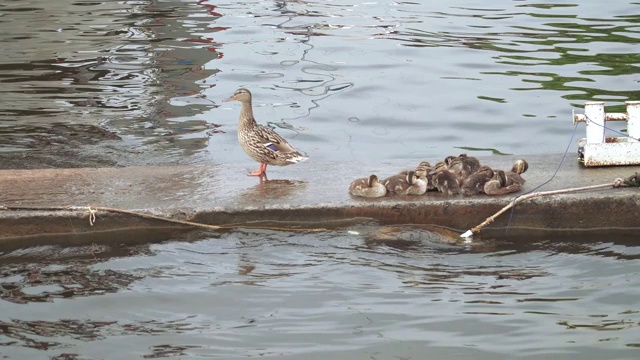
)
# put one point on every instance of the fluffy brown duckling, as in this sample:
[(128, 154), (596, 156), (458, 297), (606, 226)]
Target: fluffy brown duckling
[(498, 185), (474, 184), (463, 165), (410, 184), (367, 187), (448, 159), (423, 171), (394, 180), (513, 176), (470, 163), (446, 182), (440, 165)]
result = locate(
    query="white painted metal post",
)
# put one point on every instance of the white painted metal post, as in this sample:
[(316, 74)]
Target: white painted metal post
[(633, 121), (594, 110)]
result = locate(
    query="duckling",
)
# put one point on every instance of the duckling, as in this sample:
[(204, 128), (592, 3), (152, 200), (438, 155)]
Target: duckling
[(474, 184), (368, 187), (463, 165), (454, 164), (498, 184), (422, 171), (395, 180), (438, 167), (417, 185), (446, 182), (513, 176), (409, 185), (260, 142), (470, 163), (448, 160)]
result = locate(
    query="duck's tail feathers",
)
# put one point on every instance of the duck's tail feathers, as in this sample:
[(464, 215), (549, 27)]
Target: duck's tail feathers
[(296, 159)]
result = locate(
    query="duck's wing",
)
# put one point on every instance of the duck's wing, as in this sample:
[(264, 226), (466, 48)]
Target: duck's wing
[(358, 185), (268, 138)]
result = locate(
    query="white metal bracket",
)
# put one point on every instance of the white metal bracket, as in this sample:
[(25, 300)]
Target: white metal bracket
[(597, 149)]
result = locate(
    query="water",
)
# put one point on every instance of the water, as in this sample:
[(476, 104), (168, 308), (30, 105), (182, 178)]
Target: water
[(91, 83), (282, 295), (87, 83)]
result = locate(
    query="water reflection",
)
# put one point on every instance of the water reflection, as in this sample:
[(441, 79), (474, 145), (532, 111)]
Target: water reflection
[(28, 333), (142, 78), (270, 191), (111, 76), (277, 290), (33, 283), (594, 46)]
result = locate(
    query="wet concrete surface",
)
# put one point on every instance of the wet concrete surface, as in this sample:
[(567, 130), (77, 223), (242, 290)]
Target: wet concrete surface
[(307, 195)]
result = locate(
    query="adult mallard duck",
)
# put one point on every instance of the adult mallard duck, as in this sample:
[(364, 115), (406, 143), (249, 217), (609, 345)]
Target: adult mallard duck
[(260, 142), (367, 187)]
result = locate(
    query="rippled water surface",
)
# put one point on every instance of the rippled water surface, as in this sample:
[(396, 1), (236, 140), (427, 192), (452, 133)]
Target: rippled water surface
[(334, 295), (138, 82)]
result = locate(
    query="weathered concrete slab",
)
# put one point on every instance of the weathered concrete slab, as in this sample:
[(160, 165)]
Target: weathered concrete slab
[(305, 195)]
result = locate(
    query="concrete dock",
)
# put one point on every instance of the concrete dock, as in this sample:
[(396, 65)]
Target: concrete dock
[(306, 195)]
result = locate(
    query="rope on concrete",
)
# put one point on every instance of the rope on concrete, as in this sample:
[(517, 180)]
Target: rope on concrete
[(93, 210), (618, 182)]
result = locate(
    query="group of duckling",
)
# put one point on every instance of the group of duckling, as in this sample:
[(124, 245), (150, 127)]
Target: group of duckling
[(456, 174)]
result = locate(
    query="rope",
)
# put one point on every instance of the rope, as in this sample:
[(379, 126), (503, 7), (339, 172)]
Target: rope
[(94, 210), (564, 155), (618, 182)]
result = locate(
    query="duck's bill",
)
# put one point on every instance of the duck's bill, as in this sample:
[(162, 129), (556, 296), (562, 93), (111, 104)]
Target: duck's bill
[(228, 99)]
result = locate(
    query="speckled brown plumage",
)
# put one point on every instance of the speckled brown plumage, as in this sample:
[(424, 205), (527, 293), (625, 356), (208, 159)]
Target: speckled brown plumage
[(367, 187), (474, 184), (260, 142)]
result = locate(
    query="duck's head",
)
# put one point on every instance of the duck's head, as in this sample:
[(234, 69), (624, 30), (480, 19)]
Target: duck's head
[(448, 159), (440, 166), (520, 166), (455, 164), (242, 95), (373, 180), (423, 169)]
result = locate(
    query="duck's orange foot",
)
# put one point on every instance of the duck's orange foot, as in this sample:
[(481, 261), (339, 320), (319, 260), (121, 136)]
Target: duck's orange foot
[(260, 172), (257, 173)]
